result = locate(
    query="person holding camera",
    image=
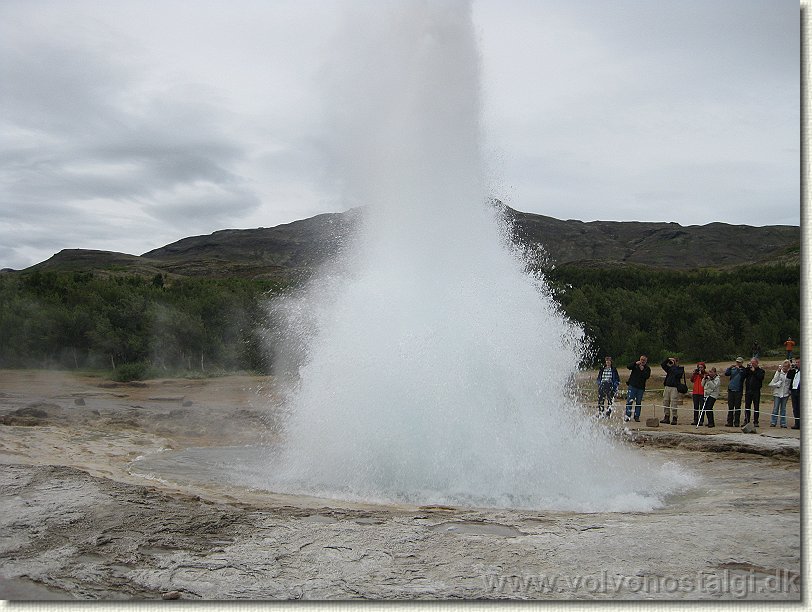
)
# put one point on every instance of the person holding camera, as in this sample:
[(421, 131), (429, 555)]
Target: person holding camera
[(753, 381), (640, 373), (698, 391), (674, 373), (735, 388), (781, 384), (608, 382), (710, 384)]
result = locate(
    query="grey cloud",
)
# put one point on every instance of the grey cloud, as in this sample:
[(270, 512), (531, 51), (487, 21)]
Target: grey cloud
[(7, 254), (743, 36), (618, 110), (74, 174), (197, 211), (67, 91), (85, 129), (694, 101), (48, 229)]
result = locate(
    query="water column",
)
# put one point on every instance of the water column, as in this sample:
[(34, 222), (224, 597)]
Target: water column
[(433, 368)]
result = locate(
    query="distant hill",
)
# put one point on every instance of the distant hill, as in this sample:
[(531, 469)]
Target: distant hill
[(290, 251), (661, 245)]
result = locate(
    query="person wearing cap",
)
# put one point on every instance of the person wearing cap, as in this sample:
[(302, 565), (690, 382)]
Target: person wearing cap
[(698, 392), (640, 373), (753, 381), (735, 388), (674, 374)]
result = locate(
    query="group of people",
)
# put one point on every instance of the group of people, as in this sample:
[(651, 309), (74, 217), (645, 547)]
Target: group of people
[(744, 383)]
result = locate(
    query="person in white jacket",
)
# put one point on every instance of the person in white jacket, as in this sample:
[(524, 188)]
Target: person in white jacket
[(711, 384), (781, 390)]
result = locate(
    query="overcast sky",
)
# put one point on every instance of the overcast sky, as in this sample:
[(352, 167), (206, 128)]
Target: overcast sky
[(127, 125)]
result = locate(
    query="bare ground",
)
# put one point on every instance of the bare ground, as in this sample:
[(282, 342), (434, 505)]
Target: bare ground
[(77, 523)]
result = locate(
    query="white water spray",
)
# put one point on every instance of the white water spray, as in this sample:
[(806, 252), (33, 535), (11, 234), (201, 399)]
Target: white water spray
[(435, 369)]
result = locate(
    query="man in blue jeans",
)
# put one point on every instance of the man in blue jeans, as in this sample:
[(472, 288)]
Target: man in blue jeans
[(640, 373)]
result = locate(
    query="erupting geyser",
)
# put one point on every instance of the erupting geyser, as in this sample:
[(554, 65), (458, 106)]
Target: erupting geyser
[(435, 369)]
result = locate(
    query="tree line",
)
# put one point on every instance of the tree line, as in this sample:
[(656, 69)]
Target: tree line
[(139, 326), (703, 314), (133, 325)]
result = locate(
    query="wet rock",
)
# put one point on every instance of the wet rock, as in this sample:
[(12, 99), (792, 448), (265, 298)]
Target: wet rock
[(653, 422), (171, 595), (477, 528), (748, 428), (79, 401), (188, 402), (35, 410), (368, 521), (21, 421), (320, 518), (123, 422), (782, 448)]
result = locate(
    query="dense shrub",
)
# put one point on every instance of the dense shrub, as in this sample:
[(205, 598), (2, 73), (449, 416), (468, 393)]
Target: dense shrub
[(131, 371)]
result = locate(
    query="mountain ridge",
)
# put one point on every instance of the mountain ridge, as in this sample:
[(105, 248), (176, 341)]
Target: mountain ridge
[(291, 251)]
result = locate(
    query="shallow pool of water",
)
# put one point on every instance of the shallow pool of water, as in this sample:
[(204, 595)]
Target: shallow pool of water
[(244, 466), (250, 467)]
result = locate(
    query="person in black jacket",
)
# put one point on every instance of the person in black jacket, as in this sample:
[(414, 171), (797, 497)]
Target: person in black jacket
[(640, 372), (795, 392), (753, 381), (674, 373)]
